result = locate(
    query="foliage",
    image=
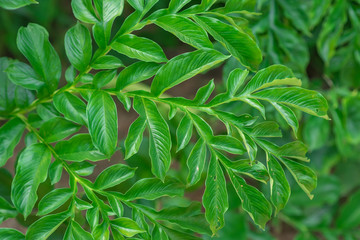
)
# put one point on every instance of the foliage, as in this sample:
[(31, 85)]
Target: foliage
[(72, 128)]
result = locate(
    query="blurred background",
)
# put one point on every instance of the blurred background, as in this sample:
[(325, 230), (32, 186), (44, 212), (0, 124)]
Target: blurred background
[(320, 41)]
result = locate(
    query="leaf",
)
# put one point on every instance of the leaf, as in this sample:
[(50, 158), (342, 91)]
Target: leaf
[(31, 170), (126, 226), (134, 137), (92, 217), (176, 5), (116, 205), (104, 77), (10, 135), (255, 104), (82, 168), (84, 11), (47, 111), (82, 205), (236, 78), (11, 234), (184, 132), (183, 67), (78, 148), (139, 48), (78, 46), (23, 97), (102, 33), (215, 198), (297, 15), (307, 101), (136, 72), (279, 186), (15, 4), (113, 176), (349, 216), (7, 94), (78, 233), (203, 94), (6, 210), (125, 100), (288, 115), (45, 226), (196, 162), (159, 233), (55, 171), (53, 200), (252, 201), (185, 29), (71, 106), (101, 231), (159, 137), (316, 132), (33, 43), (57, 129), (274, 75), (153, 188), (266, 129), (107, 62), (304, 176), (296, 150), (109, 9), (202, 127), (228, 144), (239, 44), (103, 125), (23, 75)]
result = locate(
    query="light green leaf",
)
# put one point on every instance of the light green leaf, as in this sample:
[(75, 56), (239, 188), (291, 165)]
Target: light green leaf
[(71, 106), (109, 9), (107, 62), (82, 205), (176, 5), (11, 234), (139, 48), (116, 205), (104, 77), (44, 227), (126, 226), (288, 115), (228, 144), (82, 168), (23, 75), (183, 67), (84, 11), (10, 135), (125, 100), (15, 4), (101, 231), (185, 29), (113, 176), (57, 129), (215, 198), (103, 125), (196, 162), (236, 78), (53, 200), (153, 188), (31, 170), (184, 132), (134, 137), (79, 148), (78, 46), (136, 72), (266, 129), (239, 44)]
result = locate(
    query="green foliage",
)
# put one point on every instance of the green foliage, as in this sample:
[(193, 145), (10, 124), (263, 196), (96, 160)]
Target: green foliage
[(72, 128)]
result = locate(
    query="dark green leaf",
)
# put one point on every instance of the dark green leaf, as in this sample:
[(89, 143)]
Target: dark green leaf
[(228, 144), (71, 106), (116, 205), (196, 162), (57, 129), (350, 213), (113, 176), (288, 115), (176, 5), (53, 200), (84, 11), (15, 4), (6, 210), (23, 75), (296, 150), (203, 94), (55, 171), (104, 77), (266, 129), (135, 137), (82, 168), (78, 233), (184, 132)]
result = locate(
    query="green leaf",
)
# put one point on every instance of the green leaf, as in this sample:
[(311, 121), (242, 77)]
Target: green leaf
[(102, 33), (228, 144), (176, 5), (45, 226), (288, 115), (7, 95), (125, 100), (159, 137), (238, 43), (236, 78), (109, 9), (266, 129), (185, 29), (78, 148), (78, 233), (126, 226), (116, 205), (252, 200), (47, 111), (103, 125), (296, 14), (10, 135), (136, 72), (101, 232), (349, 217), (139, 48), (134, 137), (316, 132), (183, 67), (153, 188), (31, 170), (23, 97), (57, 129), (274, 75), (6, 210), (279, 186), (15, 4), (215, 198), (55, 171), (295, 150), (113, 176), (184, 132), (104, 77), (307, 101), (107, 62), (159, 233), (33, 43), (11, 234), (84, 11), (82, 205), (82, 168), (53, 200), (78, 46), (196, 162), (304, 176), (23, 75), (202, 127), (71, 106), (203, 94), (255, 104)]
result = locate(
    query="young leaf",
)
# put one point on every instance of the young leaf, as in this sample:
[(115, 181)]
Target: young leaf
[(135, 136), (184, 132), (103, 125), (239, 44), (139, 48), (11, 234), (196, 162), (15, 4), (10, 135), (56, 129), (78, 46), (113, 176), (53, 200), (31, 170), (71, 106), (126, 226), (183, 67), (186, 30), (215, 198)]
